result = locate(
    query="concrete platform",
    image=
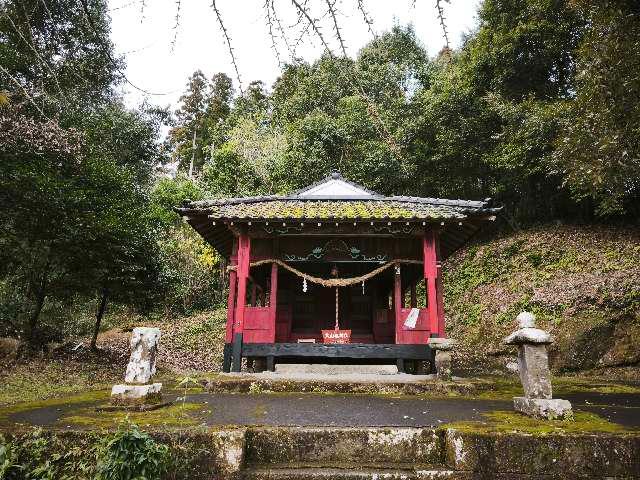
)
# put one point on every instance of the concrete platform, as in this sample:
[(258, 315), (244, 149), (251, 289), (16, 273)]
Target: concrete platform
[(297, 369), (373, 383)]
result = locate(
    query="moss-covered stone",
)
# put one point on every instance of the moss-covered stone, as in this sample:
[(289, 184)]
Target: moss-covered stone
[(556, 455), (411, 453), (510, 422), (335, 446), (249, 384)]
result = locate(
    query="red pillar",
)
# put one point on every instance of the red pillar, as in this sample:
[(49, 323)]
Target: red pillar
[(397, 301), (231, 300), (244, 246), (439, 298), (273, 299), (243, 274), (231, 307), (431, 280)]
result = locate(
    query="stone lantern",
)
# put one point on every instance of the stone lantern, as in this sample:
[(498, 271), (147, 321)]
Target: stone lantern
[(533, 368), (442, 357)]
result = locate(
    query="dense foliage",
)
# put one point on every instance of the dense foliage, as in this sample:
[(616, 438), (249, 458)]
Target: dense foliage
[(539, 108), (527, 111), (79, 222), (127, 453)]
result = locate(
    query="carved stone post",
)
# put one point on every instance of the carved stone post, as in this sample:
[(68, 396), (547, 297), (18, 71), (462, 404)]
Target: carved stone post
[(142, 366), (533, 367)]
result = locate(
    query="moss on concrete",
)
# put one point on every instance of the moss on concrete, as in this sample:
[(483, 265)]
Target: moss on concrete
[(513, 422), (86, 397), (256, 385), (176, 415), (500, 388)]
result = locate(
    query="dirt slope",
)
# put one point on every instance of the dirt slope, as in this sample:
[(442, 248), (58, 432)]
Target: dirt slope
[(583, 283)]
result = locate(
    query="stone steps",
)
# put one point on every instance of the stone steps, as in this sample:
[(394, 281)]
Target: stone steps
[(325, 369), (327, 446), (284, 473), (412, 453)]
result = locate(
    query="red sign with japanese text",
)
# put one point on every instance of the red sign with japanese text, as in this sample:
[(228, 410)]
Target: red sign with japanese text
[(336, 336)]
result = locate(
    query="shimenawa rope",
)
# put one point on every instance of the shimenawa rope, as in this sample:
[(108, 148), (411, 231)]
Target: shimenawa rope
[(330, 282)]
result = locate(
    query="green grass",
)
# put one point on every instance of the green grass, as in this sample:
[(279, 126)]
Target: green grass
[(41, 380)]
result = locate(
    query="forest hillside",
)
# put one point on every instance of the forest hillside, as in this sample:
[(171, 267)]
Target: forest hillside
[(582, 282)]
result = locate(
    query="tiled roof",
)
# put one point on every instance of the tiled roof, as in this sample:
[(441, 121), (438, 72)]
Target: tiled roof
[(287, 208), (375, 208), (364, 204), (326, 201)]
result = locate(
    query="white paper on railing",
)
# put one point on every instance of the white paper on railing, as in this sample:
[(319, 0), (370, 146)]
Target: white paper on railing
[(412, 318)]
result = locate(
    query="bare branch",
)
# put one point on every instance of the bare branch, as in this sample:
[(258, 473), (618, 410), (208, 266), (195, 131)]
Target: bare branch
[(228, 41), (316, 28), (126, 5), (41, 61), (143, 5), (332, 12), (24, 91), (268, 4), (442, 21), (176, 24), (281, 29), (366, 18)]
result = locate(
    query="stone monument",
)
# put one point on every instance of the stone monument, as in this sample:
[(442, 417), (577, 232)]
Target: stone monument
[(443, 347), (142, 366), (533, 368)]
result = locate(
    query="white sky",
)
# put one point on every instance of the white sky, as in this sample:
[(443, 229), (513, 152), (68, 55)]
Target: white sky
[(144, 36)]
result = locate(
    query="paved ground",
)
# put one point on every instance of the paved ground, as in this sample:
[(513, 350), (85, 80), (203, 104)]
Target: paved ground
[(358, 410)]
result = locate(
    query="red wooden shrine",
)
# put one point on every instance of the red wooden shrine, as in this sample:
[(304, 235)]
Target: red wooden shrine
[(279, 246)]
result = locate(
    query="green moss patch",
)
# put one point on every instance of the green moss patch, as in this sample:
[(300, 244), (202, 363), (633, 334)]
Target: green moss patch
[(68, 401), (513, 422), (176, 415), (257, 385), (499, 388)]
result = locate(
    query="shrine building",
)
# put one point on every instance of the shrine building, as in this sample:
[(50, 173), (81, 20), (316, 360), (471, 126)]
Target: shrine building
[(332, 272)]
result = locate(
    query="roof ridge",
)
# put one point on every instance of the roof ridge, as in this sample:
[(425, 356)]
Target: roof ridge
[(334, 175)]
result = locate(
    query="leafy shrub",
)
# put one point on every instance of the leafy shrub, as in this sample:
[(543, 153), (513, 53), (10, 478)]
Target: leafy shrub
[(131, 454)]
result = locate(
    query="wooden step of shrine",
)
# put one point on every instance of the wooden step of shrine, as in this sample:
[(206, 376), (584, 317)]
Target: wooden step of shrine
[(351, 474), (326, 369)]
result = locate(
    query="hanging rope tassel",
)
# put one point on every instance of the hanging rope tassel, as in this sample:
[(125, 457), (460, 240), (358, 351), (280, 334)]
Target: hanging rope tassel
[(363, 287), (337, 327), (304, 284)]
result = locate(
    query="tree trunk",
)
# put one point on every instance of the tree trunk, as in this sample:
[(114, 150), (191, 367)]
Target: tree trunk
[(99, 315), (41, 295), (35, 315)]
